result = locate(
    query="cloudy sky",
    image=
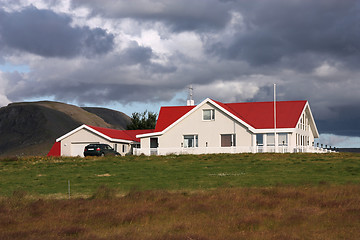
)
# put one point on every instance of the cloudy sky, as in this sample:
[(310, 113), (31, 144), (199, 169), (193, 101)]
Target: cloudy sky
[(141, 54)]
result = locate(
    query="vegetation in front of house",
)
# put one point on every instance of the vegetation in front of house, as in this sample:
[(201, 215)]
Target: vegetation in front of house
[(277, 212), (50, 176)]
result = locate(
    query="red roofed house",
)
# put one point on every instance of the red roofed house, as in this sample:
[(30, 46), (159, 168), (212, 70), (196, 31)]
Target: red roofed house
[(74, 142), (215, 127)]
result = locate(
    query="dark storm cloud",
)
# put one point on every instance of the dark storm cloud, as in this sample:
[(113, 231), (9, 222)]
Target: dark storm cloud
[(48, 34), (276, 30), (90, 87), (347, 122), (180, 15), (136, 54), (123, 77)]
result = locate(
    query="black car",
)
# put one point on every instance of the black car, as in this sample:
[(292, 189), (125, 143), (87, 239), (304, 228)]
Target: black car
[(99, 150)]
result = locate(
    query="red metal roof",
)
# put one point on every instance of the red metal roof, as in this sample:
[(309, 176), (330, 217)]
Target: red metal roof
[(259, 115), (169, 115), (122, 134)]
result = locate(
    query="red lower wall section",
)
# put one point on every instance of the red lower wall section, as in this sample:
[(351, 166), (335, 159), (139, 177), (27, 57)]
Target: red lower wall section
[(55, 150)]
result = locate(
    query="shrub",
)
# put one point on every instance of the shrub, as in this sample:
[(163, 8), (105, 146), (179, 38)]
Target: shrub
[(104, 192)]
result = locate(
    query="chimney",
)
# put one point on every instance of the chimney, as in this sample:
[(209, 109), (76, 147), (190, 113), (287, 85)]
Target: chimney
[(190, 101)]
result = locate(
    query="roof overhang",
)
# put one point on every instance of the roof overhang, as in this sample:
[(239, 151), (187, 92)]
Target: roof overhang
[(272, 130)]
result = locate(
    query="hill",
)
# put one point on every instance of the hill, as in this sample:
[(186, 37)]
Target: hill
[(30, 128), (118, 120)]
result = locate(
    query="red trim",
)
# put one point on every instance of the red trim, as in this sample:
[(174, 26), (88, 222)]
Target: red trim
[(55, 151)]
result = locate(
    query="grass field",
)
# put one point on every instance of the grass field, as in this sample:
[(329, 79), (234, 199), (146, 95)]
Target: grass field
[(245, 196), (44, 176)]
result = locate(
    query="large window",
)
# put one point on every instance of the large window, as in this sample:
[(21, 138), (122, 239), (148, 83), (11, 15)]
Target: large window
[(209, 114), (191, 141), (228, 140), (270, 139), (283, 140)]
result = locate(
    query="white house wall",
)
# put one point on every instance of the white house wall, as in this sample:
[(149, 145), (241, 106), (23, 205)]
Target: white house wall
[(145, 142), (304, 129)]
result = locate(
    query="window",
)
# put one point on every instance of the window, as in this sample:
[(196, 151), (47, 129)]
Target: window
[(259, 139), (124, 148), (191, 141), (209, 114), (228, 140), (283, 139), (154, 143), (271, 139)]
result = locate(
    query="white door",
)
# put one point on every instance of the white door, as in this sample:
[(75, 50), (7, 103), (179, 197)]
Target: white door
[(77, 149)]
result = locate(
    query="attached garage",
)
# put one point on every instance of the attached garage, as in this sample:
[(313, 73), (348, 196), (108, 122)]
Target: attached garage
[(74, 142), (77, 148)]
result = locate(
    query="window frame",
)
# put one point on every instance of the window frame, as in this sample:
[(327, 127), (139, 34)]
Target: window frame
[(195, 140), (286, 138), (268, 135), (257, 139), (212, 114), (232, 139)]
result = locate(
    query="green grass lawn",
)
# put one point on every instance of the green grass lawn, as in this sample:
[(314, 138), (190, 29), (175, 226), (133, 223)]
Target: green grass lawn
[(44, 175)]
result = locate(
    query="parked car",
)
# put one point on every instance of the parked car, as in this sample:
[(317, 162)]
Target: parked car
[(99, 150)]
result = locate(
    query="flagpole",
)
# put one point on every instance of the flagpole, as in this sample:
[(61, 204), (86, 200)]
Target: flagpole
[(275, 142)]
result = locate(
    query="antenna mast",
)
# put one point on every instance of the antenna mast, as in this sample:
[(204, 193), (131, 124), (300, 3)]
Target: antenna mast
[(190, 101)]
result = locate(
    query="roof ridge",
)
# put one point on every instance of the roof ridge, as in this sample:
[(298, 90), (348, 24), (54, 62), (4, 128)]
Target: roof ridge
[(267, 102)]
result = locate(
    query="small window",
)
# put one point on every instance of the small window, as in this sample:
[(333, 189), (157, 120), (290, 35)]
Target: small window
[(209, 114), (123, 148), (260, 139), (191, 141), (228, 140)]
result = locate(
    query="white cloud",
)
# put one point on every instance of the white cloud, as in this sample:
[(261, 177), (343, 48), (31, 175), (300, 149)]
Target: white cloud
[(227, 91), (3, 84), (339, 141), (187, 43), (325, 70)]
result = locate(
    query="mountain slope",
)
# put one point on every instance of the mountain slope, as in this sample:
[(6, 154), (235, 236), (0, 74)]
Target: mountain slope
[(117, 120), (30, 128)]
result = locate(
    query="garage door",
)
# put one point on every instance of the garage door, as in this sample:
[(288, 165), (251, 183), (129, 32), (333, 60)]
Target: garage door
[(77, 149)]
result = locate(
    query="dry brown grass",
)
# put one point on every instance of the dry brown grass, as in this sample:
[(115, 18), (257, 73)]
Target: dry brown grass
[(282, 212)]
